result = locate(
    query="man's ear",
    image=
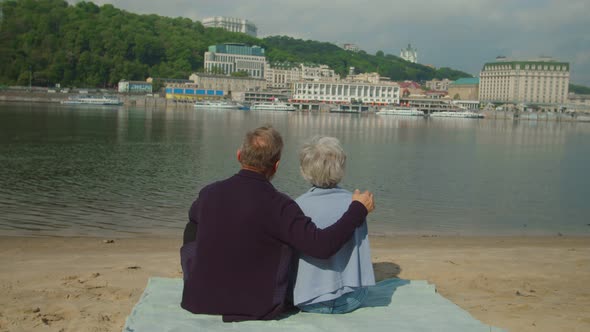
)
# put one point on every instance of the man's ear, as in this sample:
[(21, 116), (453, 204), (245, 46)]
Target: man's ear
[(239, 155), (277, 165)]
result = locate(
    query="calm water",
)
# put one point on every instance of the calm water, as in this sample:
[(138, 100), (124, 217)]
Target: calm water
[(105, 172)]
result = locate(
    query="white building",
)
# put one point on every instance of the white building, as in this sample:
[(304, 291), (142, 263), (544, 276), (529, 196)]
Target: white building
[(230, 58), (282, 76), (373, 77), (543, 81), (318, 73), (231, 24), (409, 54), (351, 47), (346, 92)]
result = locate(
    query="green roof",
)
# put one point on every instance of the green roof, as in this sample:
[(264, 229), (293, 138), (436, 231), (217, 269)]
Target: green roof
[(466, 81)]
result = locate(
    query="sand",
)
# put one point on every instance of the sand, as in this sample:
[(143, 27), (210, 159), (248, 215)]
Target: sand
[(87, 284)]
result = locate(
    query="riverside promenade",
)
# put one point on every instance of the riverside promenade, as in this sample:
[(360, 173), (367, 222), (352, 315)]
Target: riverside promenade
[(38, 95), (41, 95)]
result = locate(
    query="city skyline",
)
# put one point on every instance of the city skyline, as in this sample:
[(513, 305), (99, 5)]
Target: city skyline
[(460, 34)]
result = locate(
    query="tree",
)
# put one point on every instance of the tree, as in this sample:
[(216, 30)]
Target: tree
[(240, 73)]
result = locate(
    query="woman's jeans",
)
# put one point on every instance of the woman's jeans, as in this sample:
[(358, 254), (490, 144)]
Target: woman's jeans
[(345, 303)]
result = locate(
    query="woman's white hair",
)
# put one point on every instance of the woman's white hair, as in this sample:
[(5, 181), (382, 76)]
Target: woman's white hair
[(322, 161)]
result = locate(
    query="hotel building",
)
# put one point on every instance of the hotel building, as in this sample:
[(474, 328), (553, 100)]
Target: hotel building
[(542, 82), (230, 58), (346, 92), (231, 24)]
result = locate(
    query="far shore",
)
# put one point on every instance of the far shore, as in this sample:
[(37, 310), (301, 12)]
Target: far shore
[(91, 284), (155, 101)]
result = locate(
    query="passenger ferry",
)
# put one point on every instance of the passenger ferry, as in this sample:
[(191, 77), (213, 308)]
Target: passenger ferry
[(400, 111), (470, 115), (217, 105), (272, 106), (93, 100)]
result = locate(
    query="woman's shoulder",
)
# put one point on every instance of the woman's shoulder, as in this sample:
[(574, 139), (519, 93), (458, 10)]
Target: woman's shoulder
[(325, 193)]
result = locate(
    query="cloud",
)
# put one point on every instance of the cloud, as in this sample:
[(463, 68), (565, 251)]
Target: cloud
[(462, 34)]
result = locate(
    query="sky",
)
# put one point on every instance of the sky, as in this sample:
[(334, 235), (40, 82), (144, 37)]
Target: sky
[(461, 34)]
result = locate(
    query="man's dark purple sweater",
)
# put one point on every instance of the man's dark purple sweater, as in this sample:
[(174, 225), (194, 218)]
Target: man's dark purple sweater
[(245, 235)]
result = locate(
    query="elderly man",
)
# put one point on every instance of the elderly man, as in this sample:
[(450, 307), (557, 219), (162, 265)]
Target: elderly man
[(240, 240)]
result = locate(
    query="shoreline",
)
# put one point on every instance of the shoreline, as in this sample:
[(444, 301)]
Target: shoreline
[(41, 97), (91, 284)]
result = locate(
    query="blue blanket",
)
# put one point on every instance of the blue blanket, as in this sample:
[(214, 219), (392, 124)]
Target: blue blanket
[(392, 305)]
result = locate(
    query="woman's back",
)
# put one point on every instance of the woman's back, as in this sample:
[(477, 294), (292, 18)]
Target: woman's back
[(320, 280)]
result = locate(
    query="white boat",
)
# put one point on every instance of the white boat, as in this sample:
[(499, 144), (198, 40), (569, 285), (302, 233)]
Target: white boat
[(93, 100), (217, 105), (405, 111), (471, 115), (349, 109), (272, 106)]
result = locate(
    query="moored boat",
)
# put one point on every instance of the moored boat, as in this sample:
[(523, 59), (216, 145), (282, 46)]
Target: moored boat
[(341, 109), (217, 105), (93, 100), (272, 106), (470, 115), (405, 111)]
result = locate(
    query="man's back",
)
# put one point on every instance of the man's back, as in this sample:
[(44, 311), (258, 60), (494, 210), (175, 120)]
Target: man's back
[(240, 268)]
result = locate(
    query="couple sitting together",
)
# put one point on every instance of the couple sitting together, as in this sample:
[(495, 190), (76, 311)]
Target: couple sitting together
[(250, 252)]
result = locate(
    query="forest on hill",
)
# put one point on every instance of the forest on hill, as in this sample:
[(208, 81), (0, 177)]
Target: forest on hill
[(85, 45)]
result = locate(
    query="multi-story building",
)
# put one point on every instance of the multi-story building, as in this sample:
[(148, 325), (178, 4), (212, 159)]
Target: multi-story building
[(438, 85), (283, 75), (374, 78), (464, 89), (229, 84), (409, 54), (260, 96), (543, 81), (346, 92), (318, 73), (231, 57), (231, 24)]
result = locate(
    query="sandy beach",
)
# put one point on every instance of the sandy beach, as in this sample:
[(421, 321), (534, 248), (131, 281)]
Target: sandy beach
[(91, 284)]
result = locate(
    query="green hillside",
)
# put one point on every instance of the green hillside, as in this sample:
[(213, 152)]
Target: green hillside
[(91, 46), (579, 89)]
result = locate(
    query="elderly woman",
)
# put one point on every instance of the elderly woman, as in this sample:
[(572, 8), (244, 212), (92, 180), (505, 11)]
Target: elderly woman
[(338, 284)]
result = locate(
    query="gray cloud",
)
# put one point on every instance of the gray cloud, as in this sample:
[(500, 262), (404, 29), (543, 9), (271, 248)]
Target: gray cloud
[(462, 34)]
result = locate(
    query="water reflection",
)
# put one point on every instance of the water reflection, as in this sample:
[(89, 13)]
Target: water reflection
[(73, 171)]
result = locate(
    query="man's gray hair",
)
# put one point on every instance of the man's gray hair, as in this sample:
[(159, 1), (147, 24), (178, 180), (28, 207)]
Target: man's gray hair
[(322, 161)]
